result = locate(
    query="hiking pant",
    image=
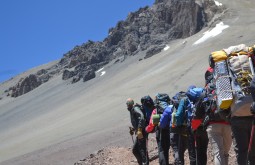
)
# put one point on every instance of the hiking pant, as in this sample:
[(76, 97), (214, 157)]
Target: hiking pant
[(140, 150), (241, 128), (186, 142), (221, 141), (163, 140), (201, 144), (174, 139)]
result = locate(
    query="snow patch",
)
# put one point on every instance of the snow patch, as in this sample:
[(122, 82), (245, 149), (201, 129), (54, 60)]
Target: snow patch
[(102, 73), (214, 32), (218, 3), (166, 48), (99, 70)]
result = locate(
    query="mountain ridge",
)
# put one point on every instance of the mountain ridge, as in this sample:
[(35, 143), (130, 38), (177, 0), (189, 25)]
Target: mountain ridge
[(148, 29)]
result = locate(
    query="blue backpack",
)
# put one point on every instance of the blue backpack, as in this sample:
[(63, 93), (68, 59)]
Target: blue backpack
[(194, 93), (180, 113), (183, 112)]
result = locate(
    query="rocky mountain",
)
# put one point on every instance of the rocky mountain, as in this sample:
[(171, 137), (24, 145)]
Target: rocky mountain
[(149, 29)]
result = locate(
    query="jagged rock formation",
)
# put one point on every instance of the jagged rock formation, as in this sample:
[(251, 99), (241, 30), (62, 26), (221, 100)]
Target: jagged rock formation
[(25, 85), (149, 28)]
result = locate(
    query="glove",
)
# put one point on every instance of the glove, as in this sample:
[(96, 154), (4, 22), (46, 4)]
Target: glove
[(139, 133), (131, 131), (253, 108)]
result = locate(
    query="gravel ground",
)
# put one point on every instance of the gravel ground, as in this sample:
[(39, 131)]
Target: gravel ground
[(124, 156)]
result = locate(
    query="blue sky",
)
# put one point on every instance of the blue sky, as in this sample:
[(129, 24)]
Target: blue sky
[(35, 32)]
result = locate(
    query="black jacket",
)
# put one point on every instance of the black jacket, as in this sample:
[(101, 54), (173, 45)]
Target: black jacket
[(137, 118)]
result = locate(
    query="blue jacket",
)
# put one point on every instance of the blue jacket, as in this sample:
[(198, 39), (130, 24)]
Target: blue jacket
[(165, 119)]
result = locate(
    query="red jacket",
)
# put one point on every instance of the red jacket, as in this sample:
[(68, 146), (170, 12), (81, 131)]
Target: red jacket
[(151, 126)]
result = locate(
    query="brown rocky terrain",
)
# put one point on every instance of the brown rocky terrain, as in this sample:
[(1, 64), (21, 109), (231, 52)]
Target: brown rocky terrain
[(120, 155)]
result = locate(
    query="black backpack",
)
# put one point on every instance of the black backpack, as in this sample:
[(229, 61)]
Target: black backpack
[(177, 98), (213, 112), (141, 108), (147, 101), (161, 101), (148, 106)]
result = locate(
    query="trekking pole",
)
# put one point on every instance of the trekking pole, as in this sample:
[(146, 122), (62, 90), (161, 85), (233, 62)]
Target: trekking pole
[(195, 138), (251, 139), (131, 129), (133, 139)]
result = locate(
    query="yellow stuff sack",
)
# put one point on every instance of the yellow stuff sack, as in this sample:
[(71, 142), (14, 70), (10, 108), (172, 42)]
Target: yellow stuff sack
[(219, 56)]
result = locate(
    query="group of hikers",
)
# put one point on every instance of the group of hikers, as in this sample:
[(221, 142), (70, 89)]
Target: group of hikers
[(220, 112)]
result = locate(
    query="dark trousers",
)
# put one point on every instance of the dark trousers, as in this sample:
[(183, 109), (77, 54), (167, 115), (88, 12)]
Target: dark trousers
[(163, 140), (201, 144), (174, 139), (186, 142), (140, 150), (241, 128)]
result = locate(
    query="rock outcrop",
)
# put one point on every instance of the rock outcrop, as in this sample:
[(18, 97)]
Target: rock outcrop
[(25, 85)]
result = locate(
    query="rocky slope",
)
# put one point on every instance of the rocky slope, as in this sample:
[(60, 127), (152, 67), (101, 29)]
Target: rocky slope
[(148, 29)]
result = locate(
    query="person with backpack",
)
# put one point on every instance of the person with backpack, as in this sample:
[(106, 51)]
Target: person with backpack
[(148, 106), (196, 94), (138, 122), (162, 104), (217, 122), (177, 121), (175, 130), (236, 67), (189, 141)]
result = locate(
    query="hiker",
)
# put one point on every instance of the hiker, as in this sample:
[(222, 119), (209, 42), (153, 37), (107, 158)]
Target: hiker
[(138, 122), (181, 138), (236, 62), (148, 106), (193, 93), (198, 129), (174, 132), (216, 123), (162, 104)]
